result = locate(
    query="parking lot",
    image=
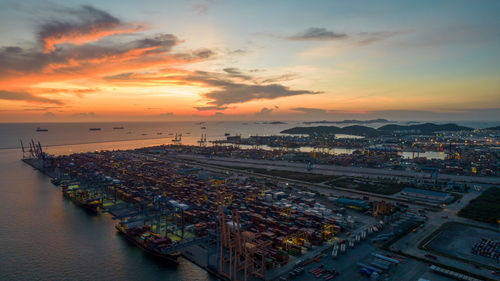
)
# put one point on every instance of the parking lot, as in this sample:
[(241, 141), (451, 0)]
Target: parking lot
[(457, 240)]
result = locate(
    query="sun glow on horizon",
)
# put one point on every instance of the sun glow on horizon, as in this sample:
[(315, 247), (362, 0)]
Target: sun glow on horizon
[(184, 63)]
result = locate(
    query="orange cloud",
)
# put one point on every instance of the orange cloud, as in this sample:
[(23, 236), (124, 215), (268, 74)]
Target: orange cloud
[(66, 63), (79, 37), (91, 62), (88, 24), (27, 97)]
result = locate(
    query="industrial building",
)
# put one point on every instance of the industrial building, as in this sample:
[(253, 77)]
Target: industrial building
[(353, 203), (425, 195)]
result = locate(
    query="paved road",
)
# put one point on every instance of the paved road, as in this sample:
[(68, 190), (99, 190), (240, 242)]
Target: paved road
[(342, 170)]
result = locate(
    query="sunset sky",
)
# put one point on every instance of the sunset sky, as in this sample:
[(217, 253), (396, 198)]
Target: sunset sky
[(262, 60)]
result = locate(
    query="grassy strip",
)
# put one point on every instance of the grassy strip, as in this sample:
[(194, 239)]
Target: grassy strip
[(385, 187), (307, 177), (485, 208)]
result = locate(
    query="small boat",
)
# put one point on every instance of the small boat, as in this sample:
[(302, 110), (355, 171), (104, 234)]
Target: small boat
[(94, 129), (118, 128), (41, 130), (144, 134), (227, 134)]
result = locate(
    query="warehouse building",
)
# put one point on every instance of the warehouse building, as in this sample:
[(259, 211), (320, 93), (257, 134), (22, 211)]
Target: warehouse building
[(425, 195), (352, 203)]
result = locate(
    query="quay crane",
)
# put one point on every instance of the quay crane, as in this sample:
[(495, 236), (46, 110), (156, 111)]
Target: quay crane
[(203, 140), (177, 139)]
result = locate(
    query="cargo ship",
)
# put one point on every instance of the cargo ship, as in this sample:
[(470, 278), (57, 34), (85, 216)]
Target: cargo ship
[(151, 243), (81, 199), (41, 130), (94, 129)]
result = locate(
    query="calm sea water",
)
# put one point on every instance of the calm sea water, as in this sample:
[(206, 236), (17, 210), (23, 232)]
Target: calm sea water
[(45, 237), (77, 133)]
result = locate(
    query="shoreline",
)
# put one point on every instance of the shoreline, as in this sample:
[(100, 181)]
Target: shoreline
[(207, 269), (92, 142)]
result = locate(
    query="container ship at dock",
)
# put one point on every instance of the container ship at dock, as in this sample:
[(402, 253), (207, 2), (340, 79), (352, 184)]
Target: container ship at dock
[(151, 243), (81, 199)]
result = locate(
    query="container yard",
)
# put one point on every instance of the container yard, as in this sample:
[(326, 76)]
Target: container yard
[(234, 226)]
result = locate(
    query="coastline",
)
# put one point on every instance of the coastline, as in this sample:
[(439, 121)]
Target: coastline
[(32, 163)]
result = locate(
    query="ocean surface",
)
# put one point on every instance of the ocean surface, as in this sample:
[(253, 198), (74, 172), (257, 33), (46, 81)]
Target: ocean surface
[(138, 134), (163, 132), (45, 237)]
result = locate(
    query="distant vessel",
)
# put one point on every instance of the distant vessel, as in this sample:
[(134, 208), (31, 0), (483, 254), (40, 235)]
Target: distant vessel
[(41, 130), (227, 134), (94, 129), (158, 133), (118, 128), (144, 134)]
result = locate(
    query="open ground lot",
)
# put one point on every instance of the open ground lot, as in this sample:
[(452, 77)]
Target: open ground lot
[(456, 240)]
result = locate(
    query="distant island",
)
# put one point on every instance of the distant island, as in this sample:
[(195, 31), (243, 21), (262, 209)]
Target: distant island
[(350, 121), (426, 128), (496, 128), (274, 123), (357, 130)]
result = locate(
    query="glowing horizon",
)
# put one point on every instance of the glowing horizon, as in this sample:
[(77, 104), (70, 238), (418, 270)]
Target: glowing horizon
[(188, 60)]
